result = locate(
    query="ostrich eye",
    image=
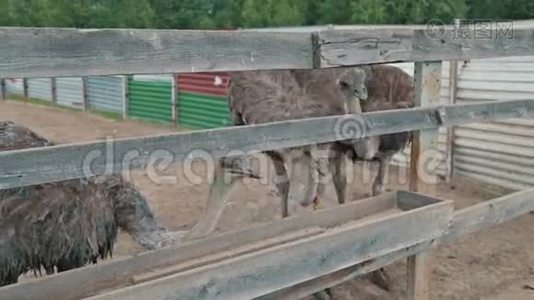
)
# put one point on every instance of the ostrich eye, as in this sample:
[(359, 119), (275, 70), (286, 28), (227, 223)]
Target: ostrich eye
[(343, 84)]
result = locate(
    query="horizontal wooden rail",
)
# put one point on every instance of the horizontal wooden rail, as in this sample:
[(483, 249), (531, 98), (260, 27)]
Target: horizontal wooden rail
[(63, 162), (465, 221), (261, 272), (350, 47), (178, 259), (54, 52)]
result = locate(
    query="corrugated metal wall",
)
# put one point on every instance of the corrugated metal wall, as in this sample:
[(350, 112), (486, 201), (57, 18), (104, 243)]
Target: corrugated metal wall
[(69, 92), (106, 93), (40, 88), (203, 100), (15, 86), (500, 153), (403, 159), (150, 99)]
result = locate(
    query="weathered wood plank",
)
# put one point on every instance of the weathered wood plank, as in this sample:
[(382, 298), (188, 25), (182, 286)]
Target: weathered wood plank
[(318, 284), (427, 81), (49, 52), (54, 52), (122, 272), (265, 271), (419, 276), (465, 221), (351, 47), (490, 213), (62, 162), (453, 91)]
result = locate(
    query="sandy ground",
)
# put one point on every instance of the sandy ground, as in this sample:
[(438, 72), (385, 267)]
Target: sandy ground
[(493, 264)]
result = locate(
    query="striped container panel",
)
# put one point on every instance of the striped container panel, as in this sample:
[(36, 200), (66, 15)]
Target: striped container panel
[(150, 100), (70, 92), (106, 93), (14, 86), (40, 88), (203, 100)]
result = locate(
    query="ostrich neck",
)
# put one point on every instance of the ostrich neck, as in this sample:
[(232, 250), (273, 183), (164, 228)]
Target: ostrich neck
[(139, 221)]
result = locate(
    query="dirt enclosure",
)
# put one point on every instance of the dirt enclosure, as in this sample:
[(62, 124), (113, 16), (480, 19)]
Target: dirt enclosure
[(492, 264)]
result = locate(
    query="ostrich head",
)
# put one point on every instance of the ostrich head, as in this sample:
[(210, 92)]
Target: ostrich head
[(352, 84)]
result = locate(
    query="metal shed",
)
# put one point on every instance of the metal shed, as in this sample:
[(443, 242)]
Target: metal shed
[(500, 153)]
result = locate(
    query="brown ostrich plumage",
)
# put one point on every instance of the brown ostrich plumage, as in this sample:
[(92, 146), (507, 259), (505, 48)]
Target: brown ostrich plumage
[(258, 97), (68, 224)]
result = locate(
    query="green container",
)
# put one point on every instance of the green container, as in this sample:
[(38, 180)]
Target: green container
[(150, 101), (203, 111)]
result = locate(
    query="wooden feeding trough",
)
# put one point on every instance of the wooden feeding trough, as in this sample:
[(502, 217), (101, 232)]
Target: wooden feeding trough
[(257, 261)]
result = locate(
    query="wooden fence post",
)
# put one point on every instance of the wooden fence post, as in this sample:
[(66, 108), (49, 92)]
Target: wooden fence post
[(54, 90), (419, 276), (174, 100), (84, 94), (25, 89), (125, 97), (3, 89), (424, 147), (453, 89)]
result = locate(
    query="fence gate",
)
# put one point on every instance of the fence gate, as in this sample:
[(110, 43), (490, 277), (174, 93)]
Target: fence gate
[(105, 93)]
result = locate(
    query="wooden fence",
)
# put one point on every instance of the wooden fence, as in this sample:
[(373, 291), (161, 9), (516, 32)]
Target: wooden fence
[(287, 258)]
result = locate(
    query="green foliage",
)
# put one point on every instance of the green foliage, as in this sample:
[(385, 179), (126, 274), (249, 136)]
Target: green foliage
[(231, 14)]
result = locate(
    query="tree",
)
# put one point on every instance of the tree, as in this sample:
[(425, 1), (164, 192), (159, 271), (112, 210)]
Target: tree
[(286, 13), (368, 12)]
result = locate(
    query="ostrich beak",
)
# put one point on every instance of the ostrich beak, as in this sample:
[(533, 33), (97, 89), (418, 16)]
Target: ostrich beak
[(239, 166)]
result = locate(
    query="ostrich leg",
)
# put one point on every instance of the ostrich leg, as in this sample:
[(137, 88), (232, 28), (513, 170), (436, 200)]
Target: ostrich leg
[(281, 180), (378, 183), (339, 175), (229, 172), (317, 175)]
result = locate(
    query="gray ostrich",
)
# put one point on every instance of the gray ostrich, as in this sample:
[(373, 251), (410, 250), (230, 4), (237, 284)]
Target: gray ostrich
[(68, 224)]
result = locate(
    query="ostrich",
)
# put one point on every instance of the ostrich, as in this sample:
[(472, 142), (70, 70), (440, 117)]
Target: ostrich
[(388, 88), (67, 224), (378, 87), (384, 87), (267, 96)]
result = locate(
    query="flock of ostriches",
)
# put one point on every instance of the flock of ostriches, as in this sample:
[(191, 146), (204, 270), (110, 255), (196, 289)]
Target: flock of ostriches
[(64, 225)]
